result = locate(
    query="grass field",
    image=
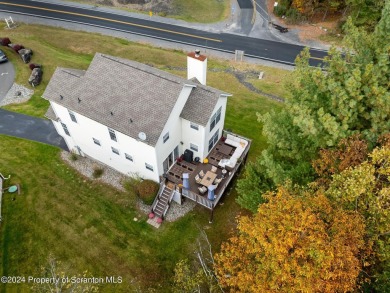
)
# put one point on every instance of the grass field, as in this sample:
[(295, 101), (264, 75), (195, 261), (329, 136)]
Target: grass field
[(203, 11), (89, 226)]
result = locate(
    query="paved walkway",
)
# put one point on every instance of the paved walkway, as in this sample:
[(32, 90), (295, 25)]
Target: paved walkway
[(31, 128), (7, 76)]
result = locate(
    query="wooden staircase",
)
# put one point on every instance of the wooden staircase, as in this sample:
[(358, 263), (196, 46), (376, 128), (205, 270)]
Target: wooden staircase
[(162, 202)]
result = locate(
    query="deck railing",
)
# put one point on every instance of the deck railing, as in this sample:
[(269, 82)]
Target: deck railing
[(235, 169), (198, 199), (202, 200), (162, 186)]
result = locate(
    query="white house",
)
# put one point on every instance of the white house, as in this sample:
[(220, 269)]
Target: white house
[(133, 117)]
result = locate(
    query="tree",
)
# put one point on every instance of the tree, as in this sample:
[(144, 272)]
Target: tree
[(199, 277), (350, 152), (366, 189), (352, 97), (61, 280), (254, 184), (296, 242)]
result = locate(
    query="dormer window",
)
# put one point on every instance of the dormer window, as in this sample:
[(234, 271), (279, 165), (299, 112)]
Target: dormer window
[(165, 137), (72, 116), (112, 134), (194, 126), (215, 118)]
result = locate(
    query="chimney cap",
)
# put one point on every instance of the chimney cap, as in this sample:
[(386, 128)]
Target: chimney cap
[(197, 56), (197, 52)]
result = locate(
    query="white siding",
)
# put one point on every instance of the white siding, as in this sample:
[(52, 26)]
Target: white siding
[(83, 132), (190, 135), (174, 127), (220, 125)]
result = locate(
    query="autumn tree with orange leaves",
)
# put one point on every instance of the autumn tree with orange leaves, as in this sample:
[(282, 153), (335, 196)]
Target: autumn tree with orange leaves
[(296, 242)]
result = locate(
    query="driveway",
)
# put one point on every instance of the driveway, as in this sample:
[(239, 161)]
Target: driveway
[(7, 77), (31, 128)]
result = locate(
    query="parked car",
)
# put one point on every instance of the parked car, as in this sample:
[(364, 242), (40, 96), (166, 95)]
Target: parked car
[(3, 58)]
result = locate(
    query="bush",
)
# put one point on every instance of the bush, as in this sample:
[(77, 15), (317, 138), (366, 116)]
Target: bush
[(34, 65), (5, 41), (280, 10), (294, 16), (97, 172), (17, 48), (73, 156), (147, 191), (131, 183)]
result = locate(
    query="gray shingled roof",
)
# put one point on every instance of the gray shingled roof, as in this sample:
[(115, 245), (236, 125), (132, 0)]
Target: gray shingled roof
[(200, 105), (131, 91)]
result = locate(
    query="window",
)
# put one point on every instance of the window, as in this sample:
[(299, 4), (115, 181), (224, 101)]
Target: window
[(130, 158), (215, 118), (193, 147), (72, 116), (166, 137), (213, 140), (112, 134), (115, 151), (194, 126), (149, 167), (96, 141), (65, 129), (218, 115)]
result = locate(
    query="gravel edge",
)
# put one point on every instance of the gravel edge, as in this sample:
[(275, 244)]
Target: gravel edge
[(17, 94)]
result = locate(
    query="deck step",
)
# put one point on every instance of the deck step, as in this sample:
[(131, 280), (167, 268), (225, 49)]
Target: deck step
[(163, 199)]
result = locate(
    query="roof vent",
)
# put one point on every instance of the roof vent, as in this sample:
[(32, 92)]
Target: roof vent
[(79, 100), (61, 97), (142, 136), (197, 53), (112, 114), (131, 120)]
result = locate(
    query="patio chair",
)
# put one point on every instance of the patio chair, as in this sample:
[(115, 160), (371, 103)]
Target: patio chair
[(217, 181), (198, 179), (201, 174), (214, 169), (202, 189)]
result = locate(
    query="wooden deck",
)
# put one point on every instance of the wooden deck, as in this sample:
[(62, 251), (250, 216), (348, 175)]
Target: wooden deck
[(219, 152)]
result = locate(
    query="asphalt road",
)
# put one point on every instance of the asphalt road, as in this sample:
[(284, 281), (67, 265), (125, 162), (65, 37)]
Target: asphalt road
[(31, 128), (7, 76), (263, 49)]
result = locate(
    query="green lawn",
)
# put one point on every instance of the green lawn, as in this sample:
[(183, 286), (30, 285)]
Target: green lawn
[(203, 11), (89, 226)]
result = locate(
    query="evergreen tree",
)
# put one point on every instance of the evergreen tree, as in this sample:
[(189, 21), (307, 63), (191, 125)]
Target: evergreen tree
[(349, 96)]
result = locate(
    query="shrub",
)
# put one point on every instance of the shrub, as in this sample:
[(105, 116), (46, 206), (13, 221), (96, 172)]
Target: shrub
[(294, 16), (34, 65), (97, 172), (280, 10), (131, 183), (5, 41), (147, 191), (17, 47), (73, 156)]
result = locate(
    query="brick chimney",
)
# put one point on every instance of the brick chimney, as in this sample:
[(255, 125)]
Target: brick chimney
[(197, 66)]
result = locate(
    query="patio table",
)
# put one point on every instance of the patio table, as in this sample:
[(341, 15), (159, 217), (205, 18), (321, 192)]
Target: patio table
[(208, 178)]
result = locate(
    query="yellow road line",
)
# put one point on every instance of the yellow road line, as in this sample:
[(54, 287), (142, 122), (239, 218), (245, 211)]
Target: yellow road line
[(322, 59), (113, 20)]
